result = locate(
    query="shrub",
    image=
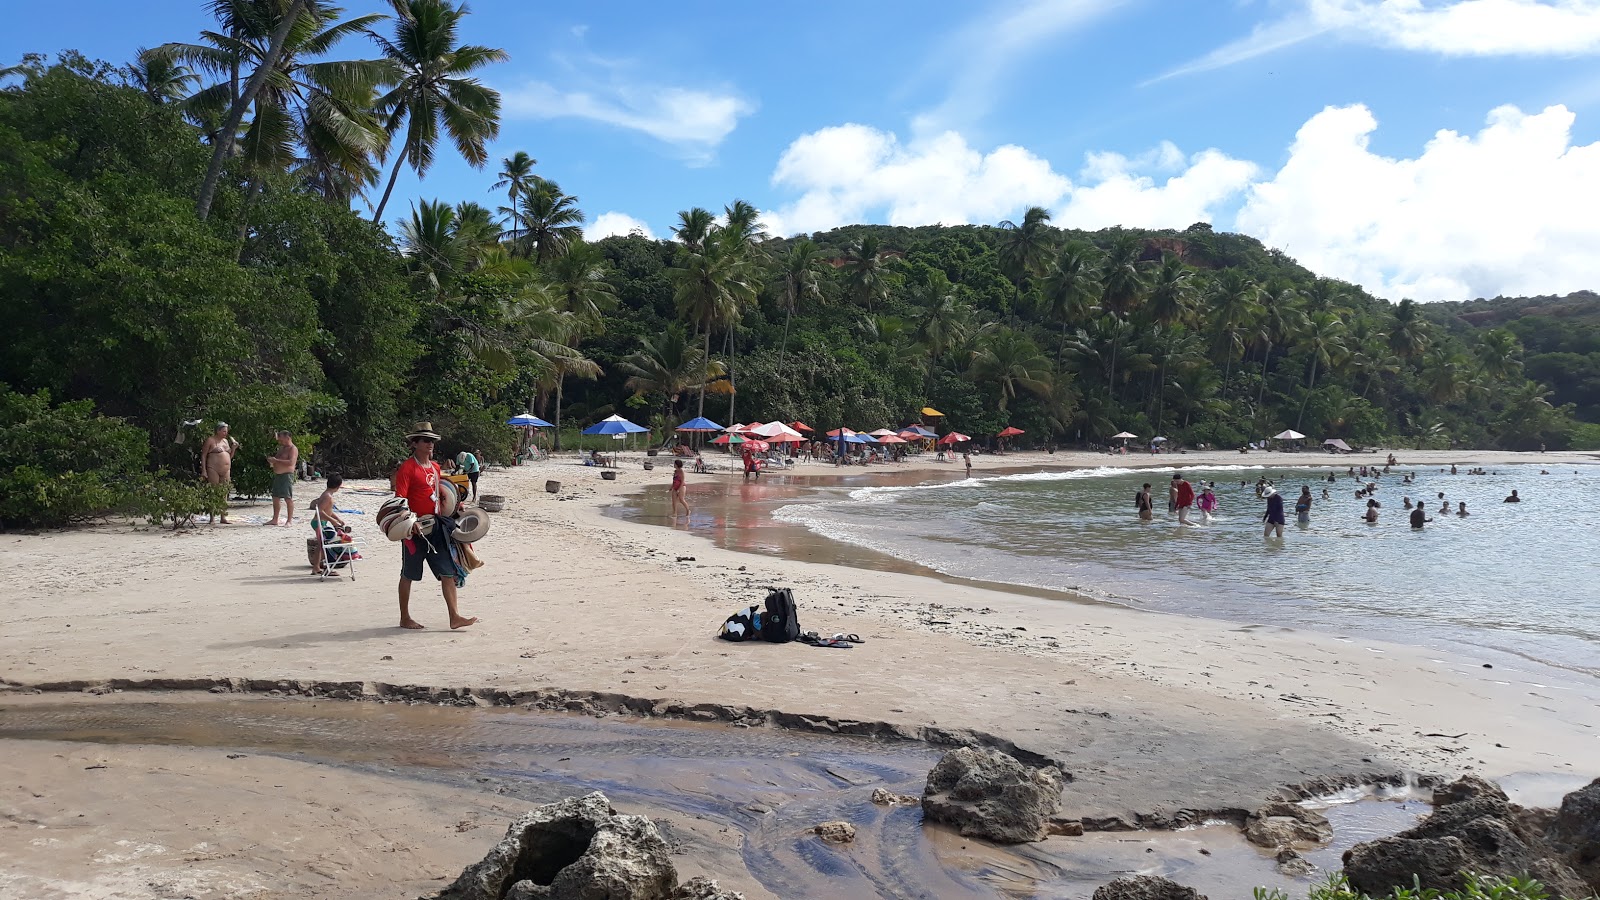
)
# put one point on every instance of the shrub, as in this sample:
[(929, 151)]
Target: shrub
[(71, 463), (178, 501)]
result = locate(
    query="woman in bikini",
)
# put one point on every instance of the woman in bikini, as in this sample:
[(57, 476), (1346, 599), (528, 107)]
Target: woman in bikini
[(216, 459)]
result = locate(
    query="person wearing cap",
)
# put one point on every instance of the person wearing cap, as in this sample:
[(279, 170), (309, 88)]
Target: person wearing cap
[(417, 480), (468, 465), (216, 460)]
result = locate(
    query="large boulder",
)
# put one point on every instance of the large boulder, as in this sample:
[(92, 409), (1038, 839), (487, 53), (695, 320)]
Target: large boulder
[(575, 849), (702, 888), (987, 793), (1477, 831), (1576, 831), (1145, 887), (1467, 787)]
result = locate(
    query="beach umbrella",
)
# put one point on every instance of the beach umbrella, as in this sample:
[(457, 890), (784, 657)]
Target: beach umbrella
[(892, 439), (838, 432), (700, 423), (527, 421), (800, 426), (729, 438), (954, 437), (1159, 440), (881, 432), (1337, 444), (759, 446), (1010, 432), (773, 430), (1290, 435), (854, 438), (784, 438), (1123, 435), (930, 411), (614, 425)]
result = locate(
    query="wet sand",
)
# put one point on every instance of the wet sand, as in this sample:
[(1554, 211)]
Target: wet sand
[(1154, 715)]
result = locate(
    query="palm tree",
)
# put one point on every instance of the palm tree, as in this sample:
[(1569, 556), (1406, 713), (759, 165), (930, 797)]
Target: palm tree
[(161, 76), (864, 271), (1070, 288), (1277, 320), (223, 137), (1172, 298), (1498, 351), (1445, 375), (710, 289), (1323, 340), (942, 319), (516, 177), (667, 364), (1122, 288), (742, 225), (577, 279), (1025, 246), (300, 100), (431, 88), (1409, 335), (476, 229), (1235, 300), (694, 226), (429, 241), (796, 281), (550, 220), (1013, 362)]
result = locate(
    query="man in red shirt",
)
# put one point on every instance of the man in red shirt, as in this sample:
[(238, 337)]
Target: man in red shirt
[(417, 480), (1184, 499)]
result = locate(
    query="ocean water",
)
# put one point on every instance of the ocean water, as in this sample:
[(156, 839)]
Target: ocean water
[(1514, 578)]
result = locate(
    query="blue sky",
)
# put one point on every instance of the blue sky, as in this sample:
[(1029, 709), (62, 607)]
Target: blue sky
[(1312, 124)]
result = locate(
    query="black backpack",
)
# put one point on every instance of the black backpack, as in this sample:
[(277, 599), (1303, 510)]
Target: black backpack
[(781, 622)]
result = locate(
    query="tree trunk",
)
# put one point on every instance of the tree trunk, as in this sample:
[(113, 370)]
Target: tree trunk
[(1311, 385), (733, 392), (700, 410), (561, 379), (393, 175), (1262, 392), (230, 125), (783, 348)]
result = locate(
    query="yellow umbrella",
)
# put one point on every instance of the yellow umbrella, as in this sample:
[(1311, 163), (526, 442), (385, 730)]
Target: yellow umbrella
[(930, 411)]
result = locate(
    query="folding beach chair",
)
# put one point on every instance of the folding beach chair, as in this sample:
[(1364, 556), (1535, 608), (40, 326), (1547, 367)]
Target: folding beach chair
[(337, 550)]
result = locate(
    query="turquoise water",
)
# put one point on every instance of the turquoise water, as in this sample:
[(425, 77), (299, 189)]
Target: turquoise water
[(1518, 578)]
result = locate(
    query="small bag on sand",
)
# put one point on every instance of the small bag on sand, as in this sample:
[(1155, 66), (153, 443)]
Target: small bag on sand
[(744, 625), (776, 621)]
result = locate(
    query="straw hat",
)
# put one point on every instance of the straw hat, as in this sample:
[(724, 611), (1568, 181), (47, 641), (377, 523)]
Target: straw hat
[(449, 498), (471, 525), (395, 518), (423, 429)]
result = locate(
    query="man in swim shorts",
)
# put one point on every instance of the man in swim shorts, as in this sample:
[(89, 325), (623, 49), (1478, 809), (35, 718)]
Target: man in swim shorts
[(1184, 498), (283, 462)]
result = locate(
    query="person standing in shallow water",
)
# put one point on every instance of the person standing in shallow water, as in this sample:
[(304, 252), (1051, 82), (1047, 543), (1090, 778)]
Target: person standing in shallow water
[(1302, 506), (1208, 503), (1142, 503), (1274, 515), (678, 489), (1184, 499)]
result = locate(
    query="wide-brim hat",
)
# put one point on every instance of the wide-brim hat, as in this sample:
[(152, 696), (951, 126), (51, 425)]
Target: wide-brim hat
[(449, 498), (471, 525), (423, 429)]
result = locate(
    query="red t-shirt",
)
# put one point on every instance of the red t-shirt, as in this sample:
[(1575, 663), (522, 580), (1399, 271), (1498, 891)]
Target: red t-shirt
[(419, 484), (1185, 494)]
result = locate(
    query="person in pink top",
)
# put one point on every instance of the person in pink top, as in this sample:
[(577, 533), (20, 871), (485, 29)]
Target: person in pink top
[(1208, 504)]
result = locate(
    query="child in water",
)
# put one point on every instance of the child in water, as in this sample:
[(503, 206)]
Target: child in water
[(1208, 504)]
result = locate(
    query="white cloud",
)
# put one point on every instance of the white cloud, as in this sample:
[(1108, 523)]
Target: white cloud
[(695, 121), (1507, 211), (609, 223), (853, 173), (1454, 28)]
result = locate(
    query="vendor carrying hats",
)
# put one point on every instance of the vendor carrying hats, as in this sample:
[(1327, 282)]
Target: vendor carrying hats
[(417, 480)]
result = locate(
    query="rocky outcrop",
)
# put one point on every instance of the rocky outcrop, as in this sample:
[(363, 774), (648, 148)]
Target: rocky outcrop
[(1467, 787), (986, 793), (702, 888), (1145, 887), (1477, 830), (1283, 825), (576, 849), (836, 832), (1575, 830)]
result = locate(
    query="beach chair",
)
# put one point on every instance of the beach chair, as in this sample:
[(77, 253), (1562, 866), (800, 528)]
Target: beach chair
[(336, 552)]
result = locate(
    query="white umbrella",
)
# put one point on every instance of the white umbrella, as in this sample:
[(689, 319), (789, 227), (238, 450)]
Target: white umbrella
[(1123, 435), (1290, 435), (776, 429)]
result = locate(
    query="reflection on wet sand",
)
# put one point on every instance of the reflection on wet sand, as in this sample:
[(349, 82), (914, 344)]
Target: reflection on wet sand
[(767, 786)]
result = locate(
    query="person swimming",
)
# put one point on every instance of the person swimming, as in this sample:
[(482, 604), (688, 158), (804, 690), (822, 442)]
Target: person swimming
[(1419, 517), (1371, 517), (1513, 498), (1406, 501), (1461, 509)]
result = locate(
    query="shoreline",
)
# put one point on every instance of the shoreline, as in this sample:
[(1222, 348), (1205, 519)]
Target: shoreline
[(1152, 713)]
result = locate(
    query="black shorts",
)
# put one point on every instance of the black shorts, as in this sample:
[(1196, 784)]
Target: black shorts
[(473, 477), (436, 548)]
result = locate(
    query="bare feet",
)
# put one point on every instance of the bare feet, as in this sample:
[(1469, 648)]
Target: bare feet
[(273, 522), (463, 621), (410, 623)]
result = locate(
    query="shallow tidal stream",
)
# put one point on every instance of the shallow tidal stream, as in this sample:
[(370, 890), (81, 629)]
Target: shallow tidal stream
[(767, 785)]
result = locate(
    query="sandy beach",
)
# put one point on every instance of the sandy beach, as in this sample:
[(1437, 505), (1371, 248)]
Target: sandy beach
[(1158, 718)]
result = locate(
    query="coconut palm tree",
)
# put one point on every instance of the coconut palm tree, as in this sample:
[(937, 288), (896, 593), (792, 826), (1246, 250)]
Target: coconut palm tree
[(794, 283), (1012, 361), (1322, 339), (432, 89), (694, 226), (1408, 337), (516, 177), (476, 228), (1277, 320), (1171, 303), (1025, 246), (1498, 353), (435, 254), (1070, 288), (1122, 287), (710, 289), (550, 220), (864, 273), (1234, 304), (307, 109), (742, 226), (161, 76), (942, 318), (668, 364)]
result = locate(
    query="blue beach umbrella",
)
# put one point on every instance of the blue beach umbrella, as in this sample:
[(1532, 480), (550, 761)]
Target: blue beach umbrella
[(614, 425), (700, 423), (527, 421)]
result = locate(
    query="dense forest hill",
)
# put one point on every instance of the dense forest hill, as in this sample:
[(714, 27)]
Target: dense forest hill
[(1560, 338), (160, 273)]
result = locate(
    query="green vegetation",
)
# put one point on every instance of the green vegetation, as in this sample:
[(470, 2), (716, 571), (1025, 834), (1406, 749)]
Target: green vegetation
[(1477, 888), (177, 246)]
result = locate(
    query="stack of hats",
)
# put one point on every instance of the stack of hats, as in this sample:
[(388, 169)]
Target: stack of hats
[(396, 518)]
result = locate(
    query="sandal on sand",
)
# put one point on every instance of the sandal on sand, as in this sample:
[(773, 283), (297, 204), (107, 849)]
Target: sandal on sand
[(809, 637), (854, 639), (836, 644)]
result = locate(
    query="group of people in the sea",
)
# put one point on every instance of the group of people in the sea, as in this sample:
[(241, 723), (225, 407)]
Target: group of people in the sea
[(1184, 496)]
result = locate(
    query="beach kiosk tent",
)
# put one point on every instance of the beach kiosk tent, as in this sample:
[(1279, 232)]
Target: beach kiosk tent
[(1336, 444), (1289, 435)]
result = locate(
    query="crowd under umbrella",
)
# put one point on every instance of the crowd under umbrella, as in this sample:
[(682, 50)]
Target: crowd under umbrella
[(1289, 435), (1008, 431)]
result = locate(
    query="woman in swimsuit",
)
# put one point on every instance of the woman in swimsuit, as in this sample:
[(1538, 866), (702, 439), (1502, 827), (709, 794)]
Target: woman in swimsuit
[(1208, 504), (216, 459)]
